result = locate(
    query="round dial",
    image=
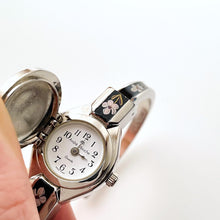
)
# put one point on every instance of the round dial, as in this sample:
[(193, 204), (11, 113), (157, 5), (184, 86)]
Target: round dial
[(74, 150)]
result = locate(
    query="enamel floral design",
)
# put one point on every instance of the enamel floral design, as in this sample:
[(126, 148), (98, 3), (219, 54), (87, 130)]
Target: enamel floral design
[(109, 107), (136, 88), (40, 197)]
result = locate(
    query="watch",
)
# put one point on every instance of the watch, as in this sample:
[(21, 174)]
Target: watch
[(74, 152)]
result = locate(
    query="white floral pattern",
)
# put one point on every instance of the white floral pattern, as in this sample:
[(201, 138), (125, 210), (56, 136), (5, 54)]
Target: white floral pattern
[(136, 88), (40, 197), (109, 107)]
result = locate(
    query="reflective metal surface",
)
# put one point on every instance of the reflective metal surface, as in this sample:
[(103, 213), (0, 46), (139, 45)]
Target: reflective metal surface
[(133, 112), (109, 158), (32, 97)]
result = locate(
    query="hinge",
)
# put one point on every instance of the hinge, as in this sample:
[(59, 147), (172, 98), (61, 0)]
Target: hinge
[(42, 136)]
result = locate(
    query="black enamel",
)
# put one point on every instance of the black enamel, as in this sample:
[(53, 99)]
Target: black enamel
[(48, 190), (127, 91)]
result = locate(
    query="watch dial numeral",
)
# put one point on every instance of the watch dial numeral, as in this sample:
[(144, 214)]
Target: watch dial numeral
[(59, 139), (77, 133), (91, 164), (68, 134), (87, 136), (58, 158), (62, 167), (95, 154), (82, 170), (71, 172), (54, 149), (93, 144)]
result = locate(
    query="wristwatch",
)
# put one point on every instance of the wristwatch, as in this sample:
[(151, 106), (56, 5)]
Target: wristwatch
[(74, 152)]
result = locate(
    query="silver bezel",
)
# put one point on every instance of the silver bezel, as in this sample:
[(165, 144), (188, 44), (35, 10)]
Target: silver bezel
[(45, 149), (100, 175)]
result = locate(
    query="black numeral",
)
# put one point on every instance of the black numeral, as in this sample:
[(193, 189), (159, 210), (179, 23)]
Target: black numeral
[(87, 136), (77, 133), (95, 153), (93, 144), (54, 149), (58, 158), (82, 170), (71, 172), (62, 167), (68, 134), (59, 139), (91, 164)]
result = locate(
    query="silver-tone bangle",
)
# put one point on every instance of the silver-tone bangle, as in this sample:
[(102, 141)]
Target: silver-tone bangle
[(130, 104)]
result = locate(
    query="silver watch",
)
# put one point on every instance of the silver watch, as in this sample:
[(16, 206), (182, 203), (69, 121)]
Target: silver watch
[(74, 152)]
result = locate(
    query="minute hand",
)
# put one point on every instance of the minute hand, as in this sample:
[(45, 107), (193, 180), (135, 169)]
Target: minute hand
[(81, 145)]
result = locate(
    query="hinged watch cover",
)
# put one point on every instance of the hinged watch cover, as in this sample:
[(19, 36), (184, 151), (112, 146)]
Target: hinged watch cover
[(32, 98)]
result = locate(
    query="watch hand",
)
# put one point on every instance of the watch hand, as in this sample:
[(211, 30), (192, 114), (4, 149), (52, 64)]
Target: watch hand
[(75, 152), (83, 157)]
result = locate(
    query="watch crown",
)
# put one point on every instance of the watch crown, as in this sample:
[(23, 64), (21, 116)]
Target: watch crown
[(112, 179)]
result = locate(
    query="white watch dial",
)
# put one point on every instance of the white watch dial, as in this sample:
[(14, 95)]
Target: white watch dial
[(74, 150)]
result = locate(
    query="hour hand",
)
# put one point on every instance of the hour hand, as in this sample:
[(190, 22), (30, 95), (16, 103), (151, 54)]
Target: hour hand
[(83, 157)]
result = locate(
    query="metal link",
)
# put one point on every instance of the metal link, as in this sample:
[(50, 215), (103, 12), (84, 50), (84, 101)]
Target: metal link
[(42, 136), (48, 129), (37, 142), (54, 122), (59, 118)]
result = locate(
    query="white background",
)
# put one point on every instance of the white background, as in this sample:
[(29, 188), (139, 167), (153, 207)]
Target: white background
[(172, 170)]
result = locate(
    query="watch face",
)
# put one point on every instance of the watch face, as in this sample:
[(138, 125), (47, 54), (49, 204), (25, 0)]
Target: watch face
[(74, 150)]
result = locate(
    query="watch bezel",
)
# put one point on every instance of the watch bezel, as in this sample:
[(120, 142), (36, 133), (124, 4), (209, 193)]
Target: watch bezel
[(73, 122), (101, 173)]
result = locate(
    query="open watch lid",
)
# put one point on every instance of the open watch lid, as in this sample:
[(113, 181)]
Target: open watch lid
[(32, 98)]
